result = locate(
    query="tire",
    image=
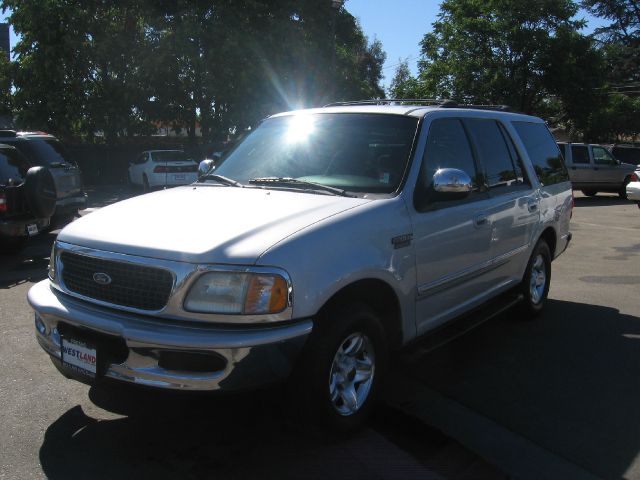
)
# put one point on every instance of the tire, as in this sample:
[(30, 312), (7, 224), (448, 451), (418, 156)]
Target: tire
[(145, 184), (622, 193), (536, 281), (324, 380), (40, 192), (590, 193)]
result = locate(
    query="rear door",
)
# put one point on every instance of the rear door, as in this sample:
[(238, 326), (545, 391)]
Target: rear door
[(580, 168), (514, 213)]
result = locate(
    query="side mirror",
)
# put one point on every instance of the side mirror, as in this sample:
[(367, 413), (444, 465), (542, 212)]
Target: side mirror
[(451, 183), (207, 165)]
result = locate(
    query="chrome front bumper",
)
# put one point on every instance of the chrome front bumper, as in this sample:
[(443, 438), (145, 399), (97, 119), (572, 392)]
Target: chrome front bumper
[(253, 356)]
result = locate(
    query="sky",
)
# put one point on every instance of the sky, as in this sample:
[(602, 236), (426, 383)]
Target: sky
[(398, 24)]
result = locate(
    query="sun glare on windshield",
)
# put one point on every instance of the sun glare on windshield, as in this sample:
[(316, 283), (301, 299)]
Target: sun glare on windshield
[(300, 128)]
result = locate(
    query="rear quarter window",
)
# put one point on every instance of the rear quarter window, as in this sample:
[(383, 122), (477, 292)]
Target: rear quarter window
[(543, 152), (13, 167)]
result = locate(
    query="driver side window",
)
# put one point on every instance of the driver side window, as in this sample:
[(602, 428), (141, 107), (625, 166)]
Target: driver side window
[(447, 147), (602, 157)]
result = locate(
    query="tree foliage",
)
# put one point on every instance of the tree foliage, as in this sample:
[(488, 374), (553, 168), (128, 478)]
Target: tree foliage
[(532, 56), (621, 38), (123, 67), (499, 51)]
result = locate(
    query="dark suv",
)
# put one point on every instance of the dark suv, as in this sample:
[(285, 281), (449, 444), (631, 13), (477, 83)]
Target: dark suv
[(42, 149), (27, 199)]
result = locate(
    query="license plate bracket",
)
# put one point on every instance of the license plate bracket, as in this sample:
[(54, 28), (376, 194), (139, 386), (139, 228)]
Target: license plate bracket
[(180, 176), (79, 356)]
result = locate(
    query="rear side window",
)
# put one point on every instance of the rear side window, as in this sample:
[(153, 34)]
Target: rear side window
[(580, 154), (500, 162), (13, 167), (543, 152), (170, 156), (46, 152)]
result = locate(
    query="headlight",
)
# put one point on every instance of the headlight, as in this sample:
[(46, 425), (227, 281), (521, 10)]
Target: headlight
[(238, 293), (52, 263)]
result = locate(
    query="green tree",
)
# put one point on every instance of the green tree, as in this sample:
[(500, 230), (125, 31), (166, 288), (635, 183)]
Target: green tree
[(120, 67), (403, 84), (621, 38), (6, 83), (495, 51)]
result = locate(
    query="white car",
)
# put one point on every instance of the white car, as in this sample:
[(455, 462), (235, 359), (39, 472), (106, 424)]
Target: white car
[(633, 188), (162, 168)]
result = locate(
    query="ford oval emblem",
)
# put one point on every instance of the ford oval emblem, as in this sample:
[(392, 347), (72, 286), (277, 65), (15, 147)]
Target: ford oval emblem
[(101, 278)]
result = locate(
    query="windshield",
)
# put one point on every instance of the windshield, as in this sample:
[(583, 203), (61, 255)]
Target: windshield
[(44, 152), (354, 152), (170, 156)]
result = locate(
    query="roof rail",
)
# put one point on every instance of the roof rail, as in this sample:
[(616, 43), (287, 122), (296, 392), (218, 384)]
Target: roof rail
[(430, 102), (393, 101), (7, 133)]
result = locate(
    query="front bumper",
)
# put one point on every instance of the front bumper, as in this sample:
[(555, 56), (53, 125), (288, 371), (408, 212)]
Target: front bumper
[(252, 356)]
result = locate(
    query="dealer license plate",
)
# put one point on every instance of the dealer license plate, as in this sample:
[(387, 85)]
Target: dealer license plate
[(79, 356), (180, 176), (32, 229)]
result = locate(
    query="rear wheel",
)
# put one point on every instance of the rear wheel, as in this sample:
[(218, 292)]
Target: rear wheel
[(536, 281), (340, 375), (590, 193)]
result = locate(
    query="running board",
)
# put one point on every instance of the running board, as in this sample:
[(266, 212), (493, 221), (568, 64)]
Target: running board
[(452, 330)]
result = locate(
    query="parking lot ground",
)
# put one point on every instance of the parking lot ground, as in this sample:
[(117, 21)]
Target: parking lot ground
[(556, 397), (58, 428)]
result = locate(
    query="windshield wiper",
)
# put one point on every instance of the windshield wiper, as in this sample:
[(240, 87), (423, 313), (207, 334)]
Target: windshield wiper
[(221, 179), (295, 183)]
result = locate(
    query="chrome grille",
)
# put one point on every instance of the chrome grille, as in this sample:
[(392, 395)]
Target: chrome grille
[(134, 286)]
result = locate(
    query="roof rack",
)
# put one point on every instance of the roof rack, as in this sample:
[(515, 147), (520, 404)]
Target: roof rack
[(429, 102)]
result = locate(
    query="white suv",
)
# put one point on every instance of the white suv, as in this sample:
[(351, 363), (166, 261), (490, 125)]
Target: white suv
[(325, 239)]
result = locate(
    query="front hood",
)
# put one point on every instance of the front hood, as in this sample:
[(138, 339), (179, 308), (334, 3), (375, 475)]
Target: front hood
[(203, 224)]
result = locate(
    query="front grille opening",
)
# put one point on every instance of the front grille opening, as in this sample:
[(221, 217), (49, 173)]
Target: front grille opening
[(191, 362), (128, 285)]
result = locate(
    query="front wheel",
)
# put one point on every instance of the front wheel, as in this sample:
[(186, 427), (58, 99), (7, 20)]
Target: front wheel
[(622, 193), (536, 281), (342, 369)]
